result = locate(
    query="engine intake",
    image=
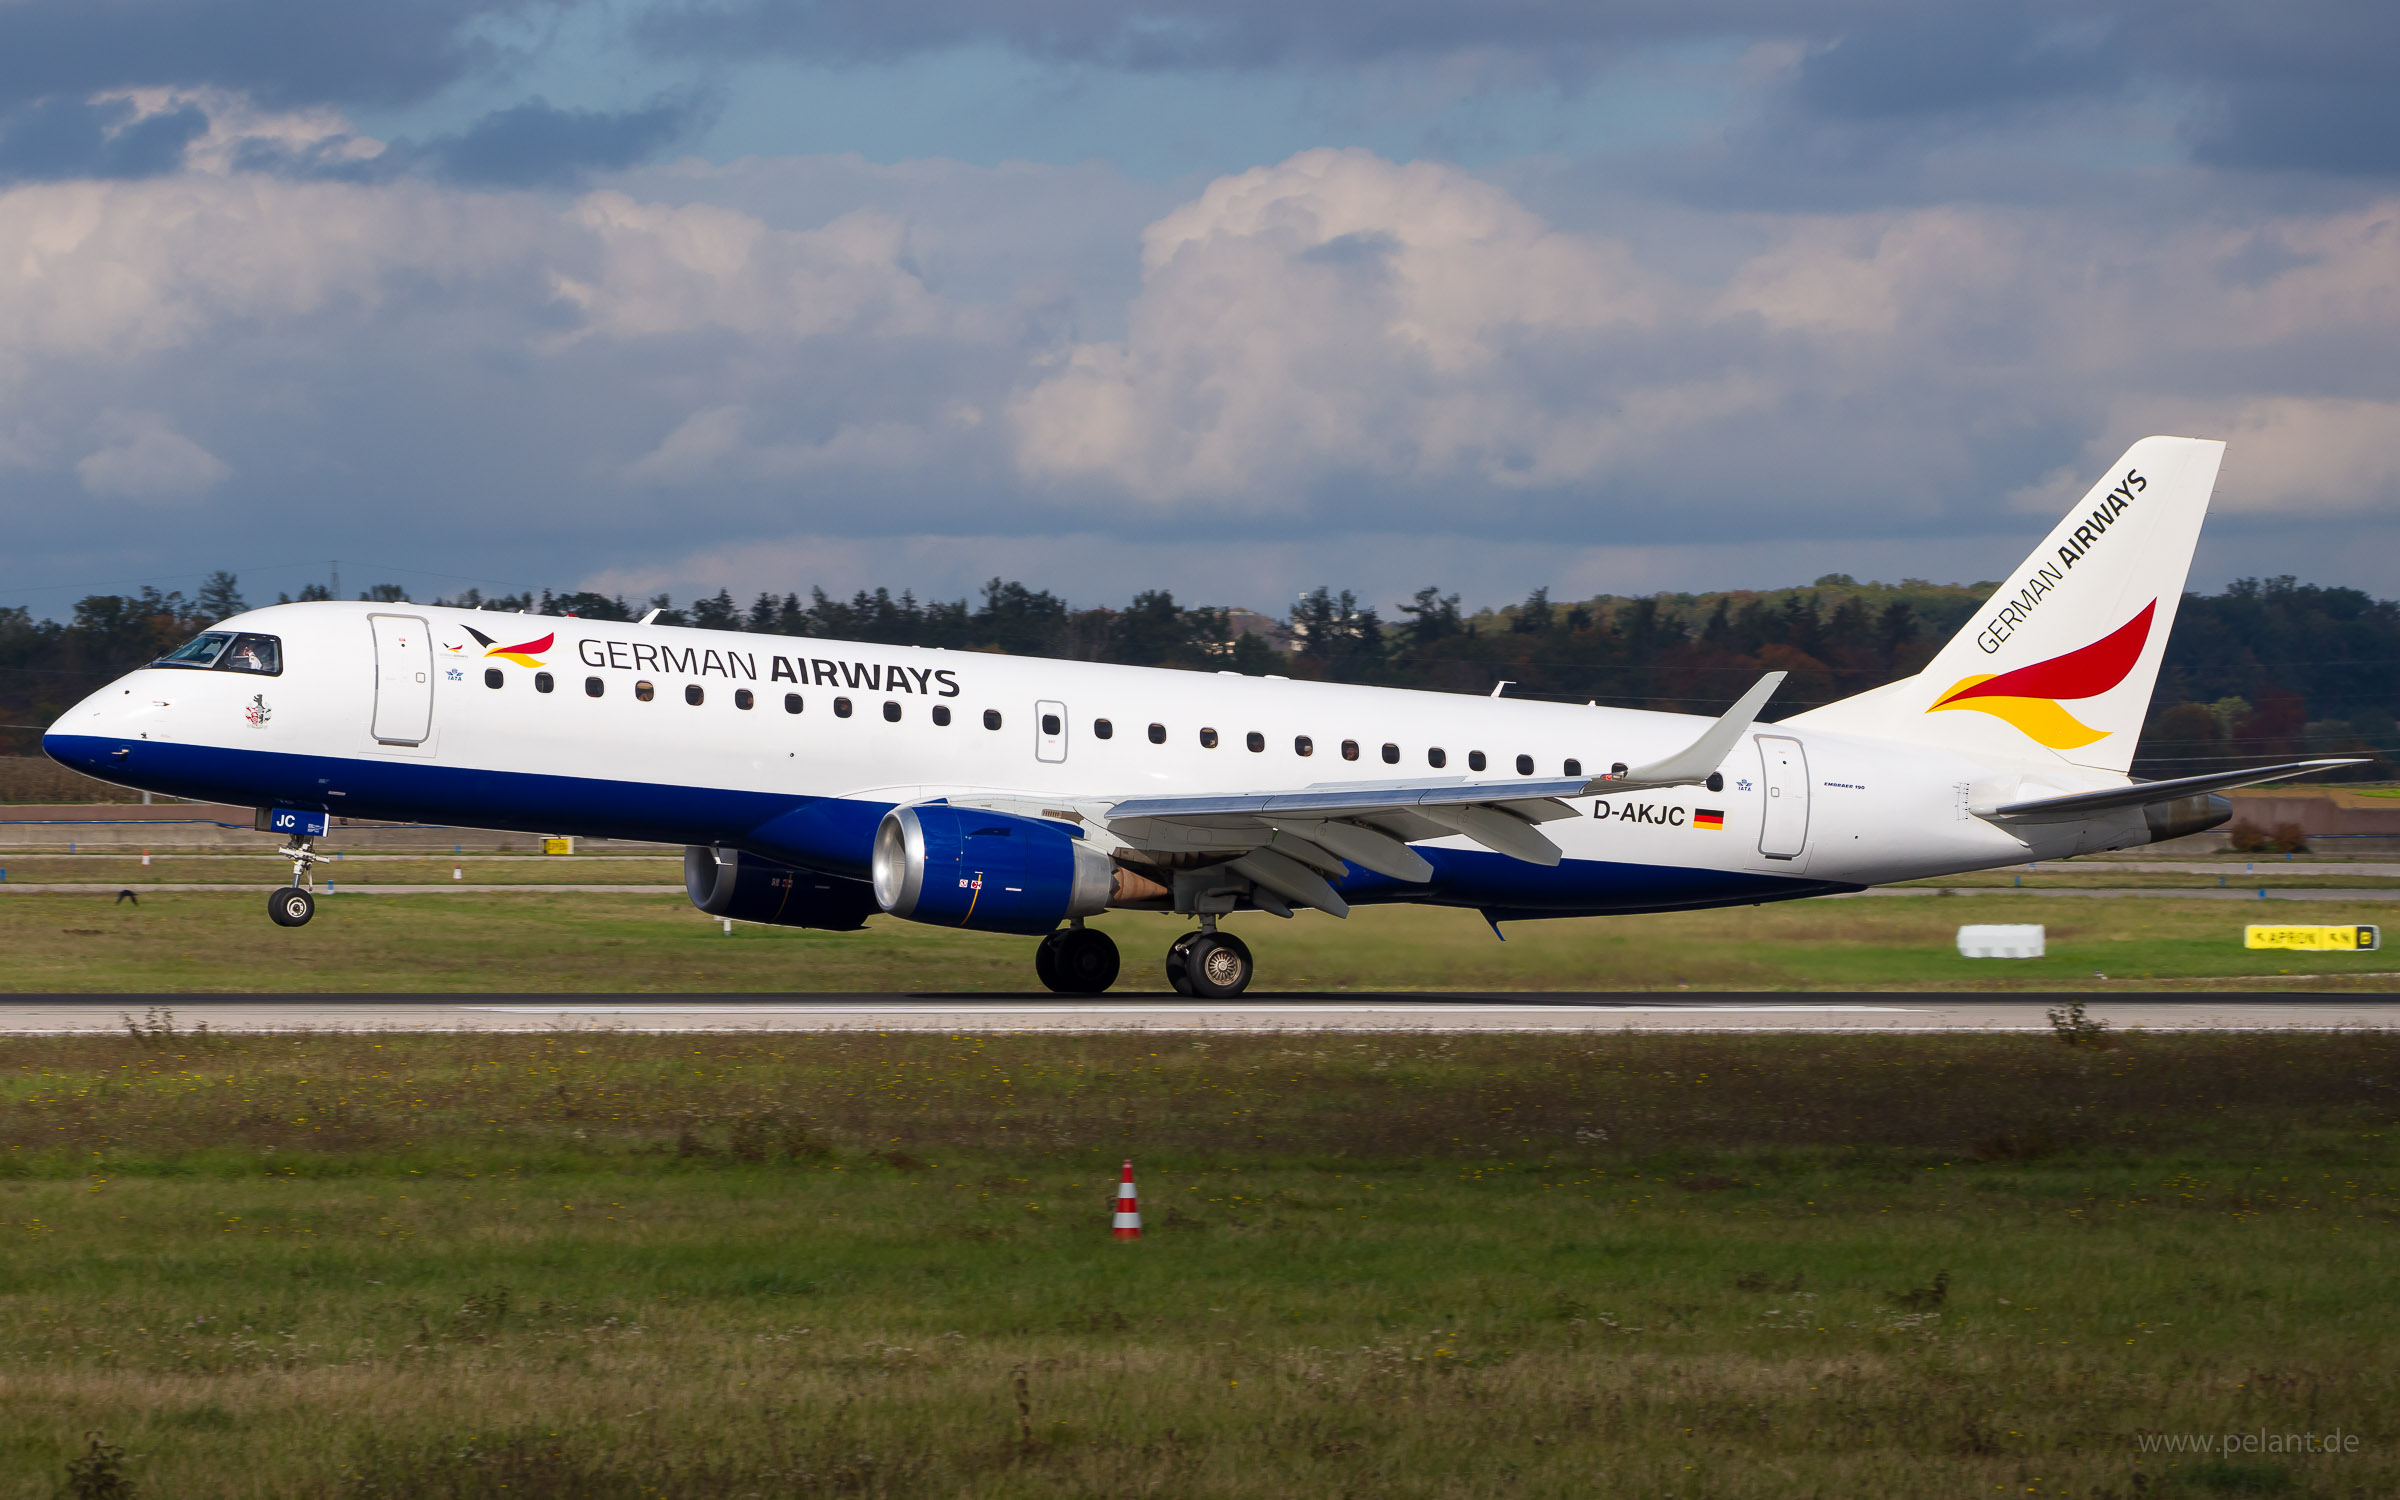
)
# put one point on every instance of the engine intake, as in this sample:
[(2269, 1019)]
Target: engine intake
[(729, 883), (994, 872)]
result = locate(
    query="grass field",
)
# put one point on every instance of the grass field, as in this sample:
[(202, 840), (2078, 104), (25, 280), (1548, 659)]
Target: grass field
[(600, 1265), (479, 940)]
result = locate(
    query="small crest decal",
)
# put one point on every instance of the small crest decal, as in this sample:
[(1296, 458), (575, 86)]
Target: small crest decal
[(257, 711)]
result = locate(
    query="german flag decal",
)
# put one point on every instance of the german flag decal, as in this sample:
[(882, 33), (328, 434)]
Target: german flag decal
[(1708, 818)]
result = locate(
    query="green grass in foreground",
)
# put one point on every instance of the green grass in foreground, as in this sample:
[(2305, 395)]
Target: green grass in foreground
[(198, 941), (600, 1265)]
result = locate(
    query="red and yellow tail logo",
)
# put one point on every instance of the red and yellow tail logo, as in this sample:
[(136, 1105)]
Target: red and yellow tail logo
[(522, 653), (2028, 697)]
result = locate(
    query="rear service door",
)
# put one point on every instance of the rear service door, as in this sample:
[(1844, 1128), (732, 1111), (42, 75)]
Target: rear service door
[(1783, 831), (403, 679), (1049, 731)]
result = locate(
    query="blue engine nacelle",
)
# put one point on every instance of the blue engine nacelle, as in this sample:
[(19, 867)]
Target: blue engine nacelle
[(729, 883), (994, 872)]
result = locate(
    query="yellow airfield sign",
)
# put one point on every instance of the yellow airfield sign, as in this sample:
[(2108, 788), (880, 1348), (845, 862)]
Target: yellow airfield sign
[(2318, 939)]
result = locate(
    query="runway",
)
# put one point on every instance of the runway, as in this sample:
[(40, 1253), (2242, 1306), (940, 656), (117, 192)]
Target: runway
[(1681, 1011)]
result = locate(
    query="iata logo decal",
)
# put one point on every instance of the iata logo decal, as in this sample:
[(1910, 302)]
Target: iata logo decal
[(2028, 698), (523, 653), (256, 711)]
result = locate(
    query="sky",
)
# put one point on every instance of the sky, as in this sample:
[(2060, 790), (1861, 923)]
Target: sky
[(1235, 299)]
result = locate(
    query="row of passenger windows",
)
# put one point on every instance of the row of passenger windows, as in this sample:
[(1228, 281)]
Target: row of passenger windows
[(1102, 729)]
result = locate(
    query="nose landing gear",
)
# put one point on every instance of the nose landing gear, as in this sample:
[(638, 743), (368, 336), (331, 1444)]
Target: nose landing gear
[(294, 904)]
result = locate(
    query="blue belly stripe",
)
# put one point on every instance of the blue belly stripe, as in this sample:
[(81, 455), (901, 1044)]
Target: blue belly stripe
[(835, 835)]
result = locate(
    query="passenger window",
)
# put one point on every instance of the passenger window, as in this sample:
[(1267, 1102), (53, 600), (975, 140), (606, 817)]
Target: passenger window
[(1437, 758), (1391, 755), (1574, 767), (694, 695), (492, 677), (593, 687), (991, 718), (1303, 745), (1102, 729), (644, 691), (1050, 724), (1255, 741), (841, 708), (1524, 765), (1475, 760), (262, 654), (743, 698), (941, 713), (1208, 739), (1618, 769), (543, 682), (1349, 749), (791, 703), (891, 711), (1158, 734)]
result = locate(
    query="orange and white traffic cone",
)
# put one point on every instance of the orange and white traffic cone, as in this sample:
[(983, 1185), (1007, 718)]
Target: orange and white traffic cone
[(1129, 1208)]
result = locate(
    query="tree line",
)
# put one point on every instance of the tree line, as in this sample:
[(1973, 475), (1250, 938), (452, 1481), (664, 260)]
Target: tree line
[(2267, 669)]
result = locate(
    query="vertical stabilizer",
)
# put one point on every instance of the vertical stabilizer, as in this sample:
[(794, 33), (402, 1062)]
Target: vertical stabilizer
[(2061, 660)]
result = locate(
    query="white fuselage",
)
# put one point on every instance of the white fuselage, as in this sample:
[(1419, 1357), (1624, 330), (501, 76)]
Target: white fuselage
[(338, 729)]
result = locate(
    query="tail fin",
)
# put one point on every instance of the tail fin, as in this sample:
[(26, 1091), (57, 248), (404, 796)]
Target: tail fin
[(2060, 661)]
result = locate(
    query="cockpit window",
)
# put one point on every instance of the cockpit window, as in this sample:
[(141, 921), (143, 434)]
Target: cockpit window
[(253, 653), (199, 651), (228, 652)]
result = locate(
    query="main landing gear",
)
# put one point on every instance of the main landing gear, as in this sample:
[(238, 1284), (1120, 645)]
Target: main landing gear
[(1076, 961), (1209, 965), (294, 904), (1206, 965)]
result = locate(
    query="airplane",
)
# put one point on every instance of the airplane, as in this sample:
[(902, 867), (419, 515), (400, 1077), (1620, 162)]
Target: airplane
[(818, 783)]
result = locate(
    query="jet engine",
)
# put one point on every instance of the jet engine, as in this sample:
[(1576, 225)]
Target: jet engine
[(729, 883), (2185, 816), (994, 872)]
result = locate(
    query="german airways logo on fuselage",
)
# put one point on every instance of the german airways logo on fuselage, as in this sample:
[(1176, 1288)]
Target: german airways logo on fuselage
[(2029, 697), (524, 653)]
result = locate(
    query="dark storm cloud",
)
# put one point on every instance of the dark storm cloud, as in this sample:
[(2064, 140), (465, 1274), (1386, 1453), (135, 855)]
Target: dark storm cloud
[(1979, 56), (2298, 85), (280, 52), (1170, 34), (534, 144), (57, 138)]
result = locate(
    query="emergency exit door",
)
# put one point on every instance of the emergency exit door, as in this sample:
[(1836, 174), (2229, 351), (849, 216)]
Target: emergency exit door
[(1783, 831), (403, 679), (1049, 731)]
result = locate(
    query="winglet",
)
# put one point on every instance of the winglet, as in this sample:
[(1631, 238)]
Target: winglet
[(1692, 764)]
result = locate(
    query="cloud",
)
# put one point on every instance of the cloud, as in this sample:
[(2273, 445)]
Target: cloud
[(144, 459), (534, 144), (1175, 34), (1943, 59), (56, 138), (1338, 368), (1342, 313), (285, 53)]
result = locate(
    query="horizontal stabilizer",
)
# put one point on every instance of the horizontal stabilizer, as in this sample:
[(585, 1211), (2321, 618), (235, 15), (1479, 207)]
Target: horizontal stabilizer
[(2082, 805)]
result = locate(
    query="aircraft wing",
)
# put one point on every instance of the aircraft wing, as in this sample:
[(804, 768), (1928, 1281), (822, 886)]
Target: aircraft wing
[(1293, 842), (2082, 805)]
